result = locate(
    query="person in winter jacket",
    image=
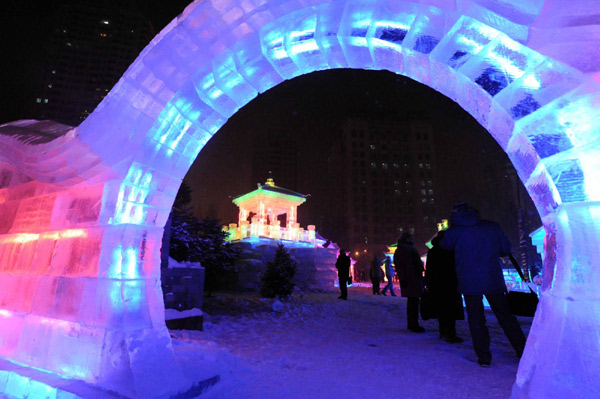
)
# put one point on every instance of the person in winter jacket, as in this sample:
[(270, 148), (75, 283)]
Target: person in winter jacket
[(409, 268), (389, 273), (478, 245), (441, 286), (342, 264), (375, 275)]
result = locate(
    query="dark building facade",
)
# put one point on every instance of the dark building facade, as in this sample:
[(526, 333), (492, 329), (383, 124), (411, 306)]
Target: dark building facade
[(382, 173), (88, 50)]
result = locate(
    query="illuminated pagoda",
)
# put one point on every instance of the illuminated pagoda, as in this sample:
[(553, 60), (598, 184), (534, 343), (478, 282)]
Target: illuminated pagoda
[(264, 207)]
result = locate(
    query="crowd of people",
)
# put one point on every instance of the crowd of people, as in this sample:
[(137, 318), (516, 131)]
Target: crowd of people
[(464, 261)]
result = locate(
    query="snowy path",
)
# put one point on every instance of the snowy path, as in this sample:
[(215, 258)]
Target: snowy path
[(322, 347)]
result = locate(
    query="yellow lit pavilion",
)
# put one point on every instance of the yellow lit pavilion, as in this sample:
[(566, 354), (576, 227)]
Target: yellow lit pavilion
[(266, 204)]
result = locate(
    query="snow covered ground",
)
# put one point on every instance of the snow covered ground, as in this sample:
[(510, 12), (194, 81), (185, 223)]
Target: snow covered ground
[(317, 346)]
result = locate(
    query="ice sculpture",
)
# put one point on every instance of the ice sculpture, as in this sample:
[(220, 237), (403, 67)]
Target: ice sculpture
[(83, 208)]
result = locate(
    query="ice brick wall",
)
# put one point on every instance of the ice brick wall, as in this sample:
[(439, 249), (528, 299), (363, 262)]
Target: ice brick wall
[(93, 202)]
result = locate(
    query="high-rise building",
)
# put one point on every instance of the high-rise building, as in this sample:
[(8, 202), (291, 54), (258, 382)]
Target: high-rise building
[(381, 172), (275, 155), (91, 46)]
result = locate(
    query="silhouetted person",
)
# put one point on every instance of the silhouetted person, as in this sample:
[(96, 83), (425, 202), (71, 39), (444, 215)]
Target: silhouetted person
[(375, 274), (343, 266), (478, 245), (409, 269), (389, 273), (442, 287)]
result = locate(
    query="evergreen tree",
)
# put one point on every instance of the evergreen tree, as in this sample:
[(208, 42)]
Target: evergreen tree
[(202, 241), (276, 281)]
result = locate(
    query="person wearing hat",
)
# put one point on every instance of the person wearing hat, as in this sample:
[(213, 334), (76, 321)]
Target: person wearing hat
[(478, 245)]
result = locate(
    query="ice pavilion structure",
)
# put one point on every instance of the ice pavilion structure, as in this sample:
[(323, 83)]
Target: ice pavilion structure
[(83, 208), (264, 206)]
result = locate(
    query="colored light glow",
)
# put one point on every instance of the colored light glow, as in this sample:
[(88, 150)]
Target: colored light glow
[(130, 201), (271, 194), (472, 45), (168, 138), (55, 322), (130, 270), (78, 371), (23, 238), (531, 82), (303, 47)]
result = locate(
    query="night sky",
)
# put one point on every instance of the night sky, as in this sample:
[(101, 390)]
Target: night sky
[(309, 107), (24, 27)]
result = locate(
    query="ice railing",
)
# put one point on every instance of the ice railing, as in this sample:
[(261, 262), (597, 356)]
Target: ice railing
[(274, 231)]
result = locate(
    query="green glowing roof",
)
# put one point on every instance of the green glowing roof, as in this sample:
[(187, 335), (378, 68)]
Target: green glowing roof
[(271, 191)]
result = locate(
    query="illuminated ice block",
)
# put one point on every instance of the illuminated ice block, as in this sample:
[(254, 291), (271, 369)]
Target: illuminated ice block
[(356, 20), (82, 209)]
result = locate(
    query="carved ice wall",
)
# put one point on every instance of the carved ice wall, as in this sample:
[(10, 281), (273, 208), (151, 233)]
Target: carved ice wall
[(82, 215)]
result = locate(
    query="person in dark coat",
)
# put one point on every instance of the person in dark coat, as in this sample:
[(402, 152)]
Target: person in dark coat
[(375, 274), (409, 269), (442, 286), (478, 245), (389, 273), (343, 266)]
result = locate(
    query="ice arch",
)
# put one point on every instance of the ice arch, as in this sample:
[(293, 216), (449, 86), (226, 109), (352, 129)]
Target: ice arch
[(82, 214)]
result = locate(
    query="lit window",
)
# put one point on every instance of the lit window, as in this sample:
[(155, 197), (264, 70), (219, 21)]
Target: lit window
[(420, 166), (38, 100), (54, 71), (105, 22), (50, 85), (384, 165), (372, 146), (45, 101), (430, 192)]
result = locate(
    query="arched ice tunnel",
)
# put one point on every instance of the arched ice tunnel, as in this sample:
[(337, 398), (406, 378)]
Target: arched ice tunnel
[(82, 212)]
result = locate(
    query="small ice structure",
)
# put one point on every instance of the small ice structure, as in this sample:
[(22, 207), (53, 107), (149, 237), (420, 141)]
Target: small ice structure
[(82, 215), (268, 202)]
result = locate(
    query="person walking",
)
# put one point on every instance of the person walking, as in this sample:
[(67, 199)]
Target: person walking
[(389, 273), (478, 245), (342, 265), (442, 287), (375, 275), (409, 268)]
